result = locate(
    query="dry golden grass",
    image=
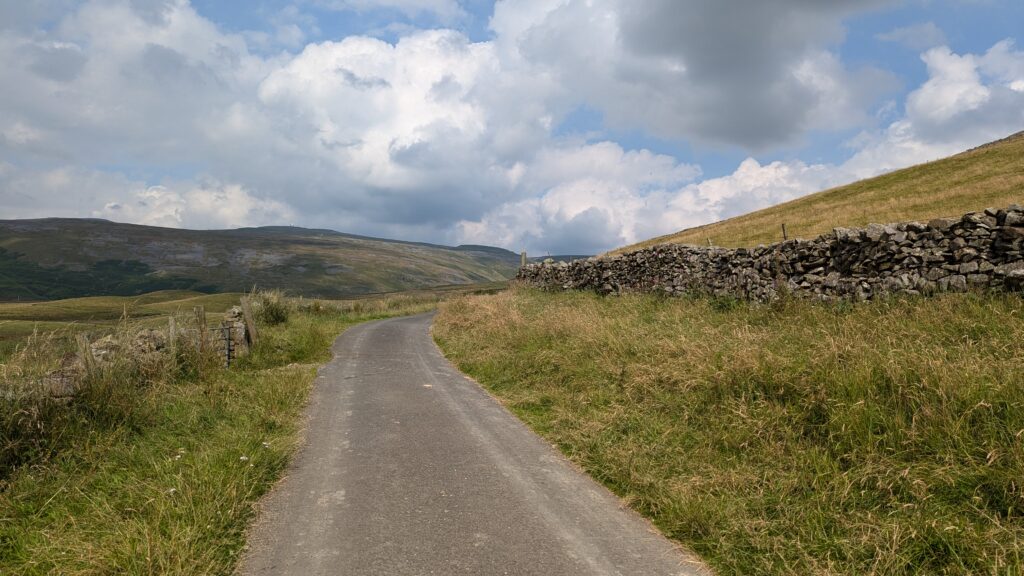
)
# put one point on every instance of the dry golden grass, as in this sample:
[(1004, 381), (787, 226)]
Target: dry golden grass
[(992, 175), (796, 438)]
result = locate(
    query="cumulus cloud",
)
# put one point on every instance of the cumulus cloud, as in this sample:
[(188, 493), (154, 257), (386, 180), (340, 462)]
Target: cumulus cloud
[(954, 87), (733, 73), (593, 196), (588, 215), (967, 100), (94, 193), (207, 205), (174, 121), (427, 130)]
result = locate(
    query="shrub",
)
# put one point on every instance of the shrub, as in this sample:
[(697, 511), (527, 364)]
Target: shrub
[(270, 307)]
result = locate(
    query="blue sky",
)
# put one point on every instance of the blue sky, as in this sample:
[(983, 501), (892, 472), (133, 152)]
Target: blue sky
[(547, 125)]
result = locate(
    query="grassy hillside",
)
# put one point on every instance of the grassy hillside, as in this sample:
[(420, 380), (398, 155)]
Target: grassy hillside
[(65, 258), (992, 175), (798, 438)]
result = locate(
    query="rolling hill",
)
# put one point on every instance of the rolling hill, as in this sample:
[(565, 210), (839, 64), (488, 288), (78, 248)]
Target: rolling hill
[(64, 258), (990, 175)]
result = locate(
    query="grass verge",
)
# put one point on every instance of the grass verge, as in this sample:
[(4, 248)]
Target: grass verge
[(159, 474), (796, 438)]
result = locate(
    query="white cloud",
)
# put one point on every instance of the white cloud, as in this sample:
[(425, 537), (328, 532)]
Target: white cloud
[(585, 213), (954, 87), (611, 211), (202, 206), (700, 71), (77, 192), (436, 137), (1004, 63), (592, 196)]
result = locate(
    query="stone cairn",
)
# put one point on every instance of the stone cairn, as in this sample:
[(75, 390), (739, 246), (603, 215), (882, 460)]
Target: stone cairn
[(982, 250)]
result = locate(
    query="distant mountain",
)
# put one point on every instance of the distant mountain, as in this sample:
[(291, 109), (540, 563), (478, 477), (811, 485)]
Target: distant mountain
[(65, 257)]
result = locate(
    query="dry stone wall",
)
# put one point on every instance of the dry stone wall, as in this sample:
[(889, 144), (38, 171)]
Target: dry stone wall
[(978, 250)]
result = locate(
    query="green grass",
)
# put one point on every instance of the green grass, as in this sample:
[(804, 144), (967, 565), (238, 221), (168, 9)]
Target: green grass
[(796, 438), (99, 315), (157, 470), (25, 279), (989, 176), (113, 308)]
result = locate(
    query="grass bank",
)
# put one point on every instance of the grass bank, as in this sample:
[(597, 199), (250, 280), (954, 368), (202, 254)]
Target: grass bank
[(796, 438), (157, 472)]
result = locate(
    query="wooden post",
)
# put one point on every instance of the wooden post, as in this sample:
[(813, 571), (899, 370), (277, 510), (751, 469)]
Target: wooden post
[(251, 334), (225, 332), (522, 259), (709, 242), (784, 235), (85, 352)]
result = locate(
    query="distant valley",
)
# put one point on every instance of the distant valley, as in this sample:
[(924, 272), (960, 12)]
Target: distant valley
[(56, 258)]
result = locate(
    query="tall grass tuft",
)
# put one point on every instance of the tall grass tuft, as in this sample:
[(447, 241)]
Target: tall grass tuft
[(48, 399), (271, 307)]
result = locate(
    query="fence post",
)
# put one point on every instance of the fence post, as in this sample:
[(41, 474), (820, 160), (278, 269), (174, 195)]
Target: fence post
[(784, 235), (225, 331), (522, 259), (251, 335), (200, 312)]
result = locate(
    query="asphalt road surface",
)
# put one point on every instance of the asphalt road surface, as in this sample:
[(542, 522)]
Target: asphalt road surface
[(410, 468)]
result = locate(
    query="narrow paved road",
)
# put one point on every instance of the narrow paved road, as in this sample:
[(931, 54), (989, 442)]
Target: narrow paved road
[(409, 468)]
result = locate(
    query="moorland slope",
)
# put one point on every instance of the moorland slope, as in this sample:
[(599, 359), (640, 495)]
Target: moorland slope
[(65, 258)]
